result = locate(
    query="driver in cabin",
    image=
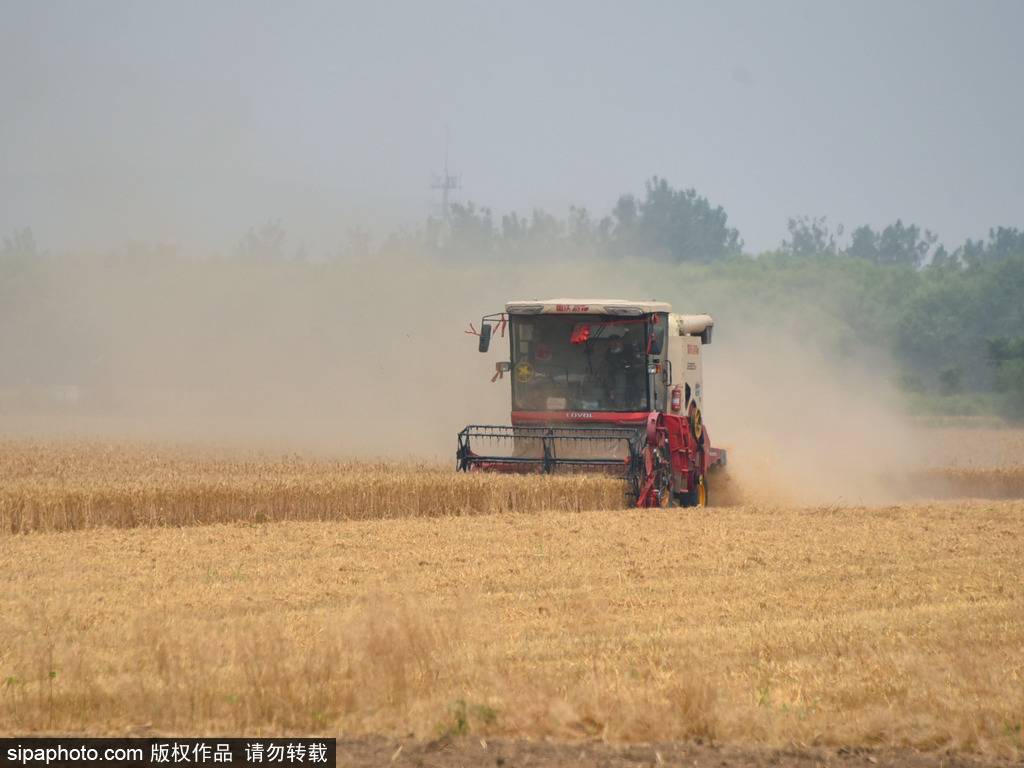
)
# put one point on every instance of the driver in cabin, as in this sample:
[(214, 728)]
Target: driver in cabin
[(621, 373)]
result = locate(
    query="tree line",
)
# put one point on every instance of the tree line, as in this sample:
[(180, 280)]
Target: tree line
[(952, 320)]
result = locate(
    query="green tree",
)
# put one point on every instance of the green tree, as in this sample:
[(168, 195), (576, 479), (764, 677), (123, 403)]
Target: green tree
[(863, 245), (263, 245), (624, 228), (583, 233), (471, 233), (1003, 244), (21, 244), (672, 225), (899, 244), (809, 237), (358, 245), (945, 321), (540, 236), (896, 244), (1007, 357), (933, 330)]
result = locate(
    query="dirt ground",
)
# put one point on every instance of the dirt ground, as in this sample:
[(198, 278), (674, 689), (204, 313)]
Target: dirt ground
[(449, 752)]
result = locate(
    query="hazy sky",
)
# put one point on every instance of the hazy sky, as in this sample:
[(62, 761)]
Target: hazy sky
[(188, 122)]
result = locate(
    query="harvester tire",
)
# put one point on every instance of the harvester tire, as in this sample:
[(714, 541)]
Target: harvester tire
[(698, 497), (697, 425)]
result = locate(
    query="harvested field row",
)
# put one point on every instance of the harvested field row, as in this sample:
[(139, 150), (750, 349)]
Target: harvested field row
[(870, 627)]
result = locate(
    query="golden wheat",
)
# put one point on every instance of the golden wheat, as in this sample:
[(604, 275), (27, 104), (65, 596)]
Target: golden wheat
[(83, 485), (897, 626), (58, 487)]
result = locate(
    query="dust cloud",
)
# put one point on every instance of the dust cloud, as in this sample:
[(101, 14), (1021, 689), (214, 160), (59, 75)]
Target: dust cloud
[(371, 359), (802, 427), (358, 359)]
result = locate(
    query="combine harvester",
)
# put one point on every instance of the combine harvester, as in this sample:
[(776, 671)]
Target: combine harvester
[(606, 386)]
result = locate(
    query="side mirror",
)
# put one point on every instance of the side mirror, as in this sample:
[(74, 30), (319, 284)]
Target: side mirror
[(485, 338), (656, 343)]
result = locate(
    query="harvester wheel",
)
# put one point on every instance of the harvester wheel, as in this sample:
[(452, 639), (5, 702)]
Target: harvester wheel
[(697, 425), (698, 497)]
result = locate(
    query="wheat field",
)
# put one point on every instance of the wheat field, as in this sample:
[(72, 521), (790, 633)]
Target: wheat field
[(152, 589), (80, 485)]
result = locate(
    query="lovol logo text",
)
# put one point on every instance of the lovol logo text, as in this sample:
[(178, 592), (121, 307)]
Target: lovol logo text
[(572, 308), (580, 415)]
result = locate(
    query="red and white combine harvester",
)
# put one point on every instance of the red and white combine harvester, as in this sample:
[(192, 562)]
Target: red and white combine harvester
[(606, 386)]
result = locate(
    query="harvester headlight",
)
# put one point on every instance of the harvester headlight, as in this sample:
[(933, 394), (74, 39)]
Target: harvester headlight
[(629, 311), (524, 309)]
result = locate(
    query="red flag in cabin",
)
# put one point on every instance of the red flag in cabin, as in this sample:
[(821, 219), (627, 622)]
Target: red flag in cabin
[(580, 334)]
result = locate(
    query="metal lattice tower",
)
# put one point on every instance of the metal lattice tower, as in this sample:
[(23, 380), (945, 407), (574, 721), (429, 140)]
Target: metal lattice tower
[(446, 182)]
